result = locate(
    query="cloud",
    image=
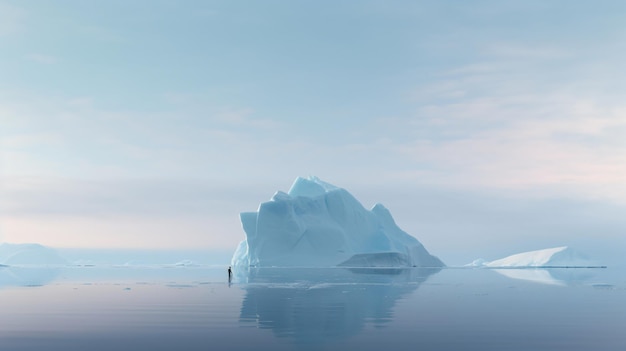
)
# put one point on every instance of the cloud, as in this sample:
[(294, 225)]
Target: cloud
[(541, 120), (122, 231), (551, 143), (524, 52), (104, 34), (219, 114), (148, 213), (30, 140), (243, 118), (10, 19), (42, 59), (542, 142), (150, 197)]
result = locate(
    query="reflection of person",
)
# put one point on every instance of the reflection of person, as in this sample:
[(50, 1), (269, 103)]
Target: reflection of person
[(230, 273)]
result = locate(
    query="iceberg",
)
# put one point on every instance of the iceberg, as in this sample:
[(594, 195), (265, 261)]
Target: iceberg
[(317, 224), (29, 254), (554, 257)]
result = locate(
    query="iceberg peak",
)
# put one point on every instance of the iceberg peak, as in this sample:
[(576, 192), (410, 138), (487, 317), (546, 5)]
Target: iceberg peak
[(317, 224), (310, 187)]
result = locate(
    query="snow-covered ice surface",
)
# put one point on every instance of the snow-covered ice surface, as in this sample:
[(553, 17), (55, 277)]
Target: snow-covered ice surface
[(317, 224), (554, 257), (193, 307)]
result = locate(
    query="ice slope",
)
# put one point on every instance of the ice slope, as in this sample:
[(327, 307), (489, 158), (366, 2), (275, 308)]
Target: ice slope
[(29, 254), (554, 257), (317, 224)]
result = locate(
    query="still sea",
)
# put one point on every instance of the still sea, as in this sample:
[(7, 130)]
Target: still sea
[(196, 308)]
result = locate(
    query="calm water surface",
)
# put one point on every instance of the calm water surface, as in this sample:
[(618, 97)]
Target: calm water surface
[(195, 308)]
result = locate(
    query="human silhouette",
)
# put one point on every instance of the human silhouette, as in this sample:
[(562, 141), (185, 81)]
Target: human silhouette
[(230, 274)]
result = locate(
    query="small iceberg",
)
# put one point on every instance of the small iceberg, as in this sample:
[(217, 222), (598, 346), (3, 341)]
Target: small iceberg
[(557, 257), (185, 263)]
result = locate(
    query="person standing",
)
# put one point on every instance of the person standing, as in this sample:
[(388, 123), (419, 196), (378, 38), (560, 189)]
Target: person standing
[(230, 273)]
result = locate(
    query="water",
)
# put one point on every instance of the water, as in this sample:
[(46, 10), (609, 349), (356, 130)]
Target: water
[(194, 308)]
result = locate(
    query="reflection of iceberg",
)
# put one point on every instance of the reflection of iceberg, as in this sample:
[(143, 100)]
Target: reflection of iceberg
[(534, 275), (310, 305), (551, 276), (27, 276)]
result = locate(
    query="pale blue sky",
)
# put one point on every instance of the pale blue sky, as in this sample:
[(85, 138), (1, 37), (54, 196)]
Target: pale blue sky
[(484, 126)]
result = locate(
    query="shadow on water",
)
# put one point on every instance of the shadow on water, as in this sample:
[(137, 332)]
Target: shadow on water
[(312, 306)]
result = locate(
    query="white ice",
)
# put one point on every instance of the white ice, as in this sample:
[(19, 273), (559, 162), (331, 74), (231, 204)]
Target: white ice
[(554, 257), (317, 224)]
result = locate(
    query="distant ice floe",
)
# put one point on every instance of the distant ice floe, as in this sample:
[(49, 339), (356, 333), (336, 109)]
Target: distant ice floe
[(144, 264), (479, 262), (185, 263), (561, 257), (317, 224), (83, 263)]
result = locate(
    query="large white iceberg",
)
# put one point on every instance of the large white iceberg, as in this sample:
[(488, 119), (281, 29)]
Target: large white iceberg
[(554, 257), (317, 224)]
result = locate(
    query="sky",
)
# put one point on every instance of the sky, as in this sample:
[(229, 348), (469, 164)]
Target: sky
[(486, 127)]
